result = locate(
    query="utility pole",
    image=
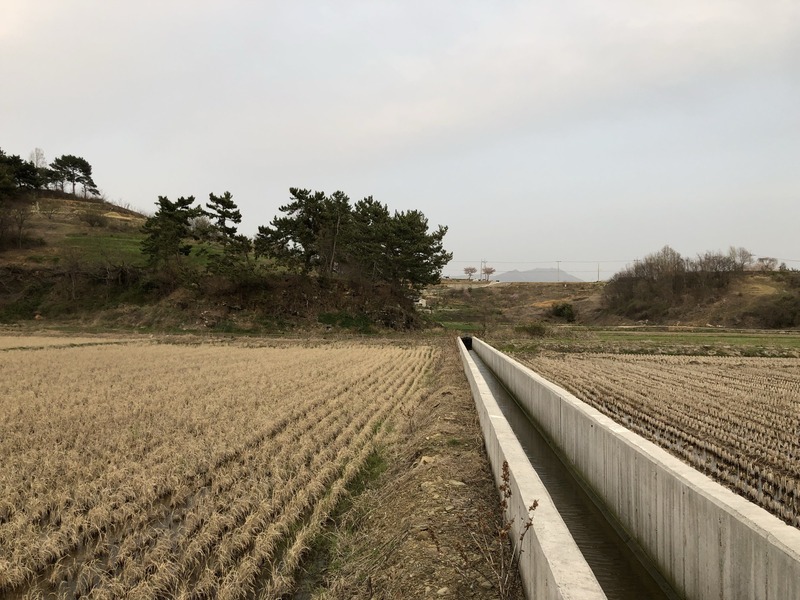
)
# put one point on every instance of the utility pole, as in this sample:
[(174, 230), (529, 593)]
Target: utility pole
[(598, 271), (558, 269)]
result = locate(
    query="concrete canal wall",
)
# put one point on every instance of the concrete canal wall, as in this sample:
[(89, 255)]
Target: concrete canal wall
[(551, 565), (706, 541)]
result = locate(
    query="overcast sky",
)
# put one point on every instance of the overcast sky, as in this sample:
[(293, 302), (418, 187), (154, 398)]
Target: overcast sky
[(537, 131)]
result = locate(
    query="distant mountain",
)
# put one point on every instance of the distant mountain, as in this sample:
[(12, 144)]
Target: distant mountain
[(536, 275)]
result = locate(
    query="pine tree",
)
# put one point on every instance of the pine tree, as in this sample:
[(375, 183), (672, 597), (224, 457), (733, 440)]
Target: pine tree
[(167, 230)]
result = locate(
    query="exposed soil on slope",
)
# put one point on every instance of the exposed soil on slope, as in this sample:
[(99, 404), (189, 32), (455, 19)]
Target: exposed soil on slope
[(736, 307), (59, 229)]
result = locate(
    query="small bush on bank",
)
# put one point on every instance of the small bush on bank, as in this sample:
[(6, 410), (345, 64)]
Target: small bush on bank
[(345, 320), (535, 329), (780, 312), (93, 218), (563, 310)]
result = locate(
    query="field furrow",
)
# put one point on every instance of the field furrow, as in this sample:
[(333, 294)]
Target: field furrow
[(736, 419), (158, 470)]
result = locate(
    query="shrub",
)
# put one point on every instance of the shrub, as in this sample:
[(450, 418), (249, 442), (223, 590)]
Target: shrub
[(780, 312), (563, 310), (535, 329), (345, 320), (653, 285), (790, 277), (93, 218)]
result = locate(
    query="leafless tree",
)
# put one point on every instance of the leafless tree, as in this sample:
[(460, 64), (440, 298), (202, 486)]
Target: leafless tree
[(5, 221), (712, 262), (469, 272), (488, 272), (49, 209), (72, 265), (37, 158), (767, 263), (741, 257)]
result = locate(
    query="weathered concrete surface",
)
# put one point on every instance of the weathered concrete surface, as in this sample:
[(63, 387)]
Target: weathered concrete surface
[(707, 541), (551, 566)]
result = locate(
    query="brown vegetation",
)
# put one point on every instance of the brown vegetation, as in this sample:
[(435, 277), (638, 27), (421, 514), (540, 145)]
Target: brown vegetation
[(431, 528), (751, 299), (55, 225), (736, 419), (189, 471), (157, 469)]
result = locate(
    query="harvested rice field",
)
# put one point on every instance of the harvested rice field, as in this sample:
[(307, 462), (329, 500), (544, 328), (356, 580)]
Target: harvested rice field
[(157, 470), (736, 419)]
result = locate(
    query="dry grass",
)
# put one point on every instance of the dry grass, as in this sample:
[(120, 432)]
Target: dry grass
[(162, 470), (736, 419)]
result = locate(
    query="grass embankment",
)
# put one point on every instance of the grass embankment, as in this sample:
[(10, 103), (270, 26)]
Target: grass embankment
[(83, 259), (98, 247), (64, 230), (103, 246), (82, 264), (741, 340), (481, 307), (769, 300)]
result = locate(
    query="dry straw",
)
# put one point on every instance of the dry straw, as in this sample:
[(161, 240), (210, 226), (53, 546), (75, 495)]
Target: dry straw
[(157, 470), (736, 419)]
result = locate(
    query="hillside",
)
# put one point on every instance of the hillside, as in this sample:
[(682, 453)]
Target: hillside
[(61, 229), (82, 264), (471, 306), (82, 261)]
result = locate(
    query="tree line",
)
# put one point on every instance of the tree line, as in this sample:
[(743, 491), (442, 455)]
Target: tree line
[(652, 285), (316, 233), (19, 177), (21, 180)]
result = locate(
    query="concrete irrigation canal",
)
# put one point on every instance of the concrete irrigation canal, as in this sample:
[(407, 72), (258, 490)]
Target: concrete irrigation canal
[(618, 517)]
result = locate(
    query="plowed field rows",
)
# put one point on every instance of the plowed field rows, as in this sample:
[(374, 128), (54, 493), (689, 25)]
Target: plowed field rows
[(736, 419), (161, 471)]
